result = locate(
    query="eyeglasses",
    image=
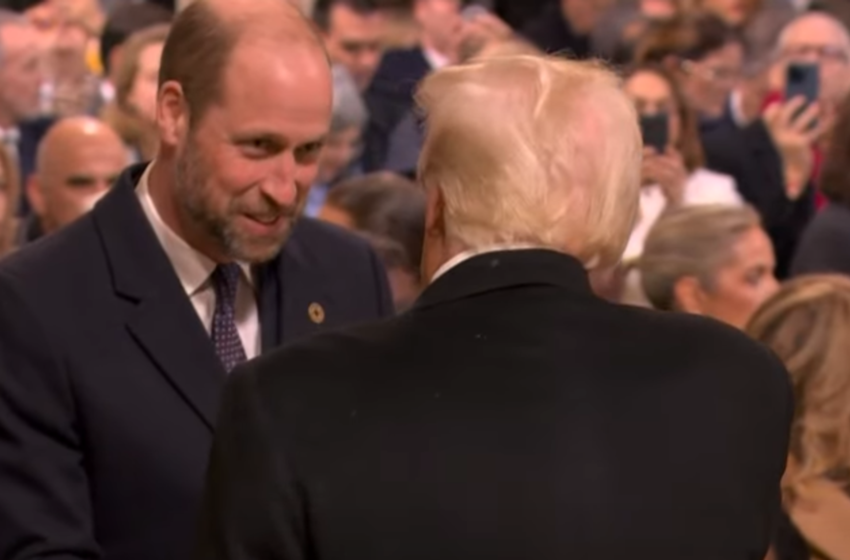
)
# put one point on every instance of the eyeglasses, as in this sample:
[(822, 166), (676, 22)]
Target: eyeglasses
[(713, 73), (830, 53)]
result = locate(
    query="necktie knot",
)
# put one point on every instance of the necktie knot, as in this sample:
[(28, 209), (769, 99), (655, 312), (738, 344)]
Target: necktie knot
[(225, 279)]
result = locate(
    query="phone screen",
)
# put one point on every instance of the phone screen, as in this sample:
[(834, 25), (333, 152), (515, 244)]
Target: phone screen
[(655, 131), (802, 80)]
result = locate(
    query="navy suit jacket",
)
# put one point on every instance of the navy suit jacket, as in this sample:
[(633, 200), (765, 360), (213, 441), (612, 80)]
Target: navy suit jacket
[(109, 384), (389, 100)]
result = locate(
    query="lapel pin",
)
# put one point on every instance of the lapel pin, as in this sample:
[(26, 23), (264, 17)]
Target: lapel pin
[(316, 313)]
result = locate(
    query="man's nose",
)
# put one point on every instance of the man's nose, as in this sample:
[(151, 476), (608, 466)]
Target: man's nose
[(279, 185)]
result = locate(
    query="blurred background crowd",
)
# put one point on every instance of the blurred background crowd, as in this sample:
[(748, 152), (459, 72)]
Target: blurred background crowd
[(744, 105)]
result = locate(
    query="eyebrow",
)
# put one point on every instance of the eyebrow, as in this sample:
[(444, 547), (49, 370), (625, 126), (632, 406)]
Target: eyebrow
[(277, 138)]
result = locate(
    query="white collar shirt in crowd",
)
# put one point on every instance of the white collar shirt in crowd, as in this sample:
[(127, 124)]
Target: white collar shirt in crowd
[(435, 60), (194, 270), (466, 255)]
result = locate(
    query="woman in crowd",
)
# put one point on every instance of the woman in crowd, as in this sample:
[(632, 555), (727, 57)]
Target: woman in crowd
[(348, 118), (391, 210), (9, 192), (825, 244), (807, 324), (712, 260), (675, 176), (705, 56), (133, 112)]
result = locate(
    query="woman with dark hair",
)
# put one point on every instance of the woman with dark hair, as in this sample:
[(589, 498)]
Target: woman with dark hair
[(674, 177), (704, 54), (390, 209), (825, 244)]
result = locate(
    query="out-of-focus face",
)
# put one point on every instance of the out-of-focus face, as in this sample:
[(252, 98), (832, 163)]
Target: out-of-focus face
[(733, 12), (243, 173), (658, 9), (340, 150), (440, 23), (142, 95), (585, 14), (707, 83), (744, 283), (817, 40), (76, 176), (21, 72), (652, 95), (355, 41), (338, 216)]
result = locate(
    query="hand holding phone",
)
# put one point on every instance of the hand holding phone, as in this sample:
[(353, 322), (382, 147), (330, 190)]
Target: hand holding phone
[(655, 130)]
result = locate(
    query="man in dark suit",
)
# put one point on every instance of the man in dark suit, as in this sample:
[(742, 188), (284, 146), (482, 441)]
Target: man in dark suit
[(117, 332), (511, 414)]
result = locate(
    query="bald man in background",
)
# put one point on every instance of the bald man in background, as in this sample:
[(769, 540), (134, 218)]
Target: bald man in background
[(77, 162)]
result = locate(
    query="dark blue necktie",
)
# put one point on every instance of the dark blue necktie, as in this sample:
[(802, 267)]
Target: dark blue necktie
[(228, 345)]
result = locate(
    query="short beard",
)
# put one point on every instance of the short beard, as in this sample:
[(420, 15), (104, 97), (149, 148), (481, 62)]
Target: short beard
[(193, 196)]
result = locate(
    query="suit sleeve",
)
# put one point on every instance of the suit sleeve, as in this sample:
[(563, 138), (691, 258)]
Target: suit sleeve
[(45, 511), (252, 509)]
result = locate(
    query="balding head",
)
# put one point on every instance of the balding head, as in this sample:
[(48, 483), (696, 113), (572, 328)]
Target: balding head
[(532, 150), (205, 34), (817, 38), (77, 162)]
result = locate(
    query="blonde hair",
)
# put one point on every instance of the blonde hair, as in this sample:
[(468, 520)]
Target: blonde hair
[(694, 242), (536, 150), (807, 324), (11, 187)]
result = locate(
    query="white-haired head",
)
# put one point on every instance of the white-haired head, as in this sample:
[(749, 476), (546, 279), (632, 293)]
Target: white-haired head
[(531, 150)]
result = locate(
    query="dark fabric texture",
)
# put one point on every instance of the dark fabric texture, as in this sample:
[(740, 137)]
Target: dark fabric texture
[(110, 385), (511, 414), (749, 156)]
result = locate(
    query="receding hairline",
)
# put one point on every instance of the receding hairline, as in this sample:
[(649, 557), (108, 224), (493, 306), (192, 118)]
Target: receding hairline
[(809, 17)]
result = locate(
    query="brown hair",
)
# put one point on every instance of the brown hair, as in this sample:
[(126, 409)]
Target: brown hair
[(807, 324), (11, 186), (689, 36), (133, 129), (385, 205), (835, 177), (690, 144), (694, 241), (195, 56)]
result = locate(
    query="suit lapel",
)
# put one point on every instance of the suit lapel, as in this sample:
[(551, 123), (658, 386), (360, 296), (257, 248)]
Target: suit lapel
[(163, 321)]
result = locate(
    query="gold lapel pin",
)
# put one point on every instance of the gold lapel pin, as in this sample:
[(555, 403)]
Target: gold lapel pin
[(316, 313)]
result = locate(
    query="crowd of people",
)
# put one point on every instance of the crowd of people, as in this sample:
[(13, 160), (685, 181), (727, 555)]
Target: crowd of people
[(555, 190)]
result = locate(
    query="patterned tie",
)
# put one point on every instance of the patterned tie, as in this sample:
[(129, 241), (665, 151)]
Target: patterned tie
[(228, 346)]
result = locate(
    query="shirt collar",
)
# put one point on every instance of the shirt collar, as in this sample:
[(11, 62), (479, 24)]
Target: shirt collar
[(193, 268), (466, 255), (435, 60)]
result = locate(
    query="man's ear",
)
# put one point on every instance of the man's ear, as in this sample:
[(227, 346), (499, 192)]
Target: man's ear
[(172, 114), (35, 195), (689, 295), (435, 208)]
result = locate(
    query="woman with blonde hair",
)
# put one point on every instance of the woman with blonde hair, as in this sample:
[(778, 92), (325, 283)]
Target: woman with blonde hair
[(9, 195), (133, 112), (711, 260), (807, 324)]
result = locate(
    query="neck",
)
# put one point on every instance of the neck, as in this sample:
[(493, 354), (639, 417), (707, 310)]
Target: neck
[(162, 191)]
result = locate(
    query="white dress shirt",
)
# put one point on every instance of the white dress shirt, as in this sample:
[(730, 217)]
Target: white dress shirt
[(435, 60), (194, 270)]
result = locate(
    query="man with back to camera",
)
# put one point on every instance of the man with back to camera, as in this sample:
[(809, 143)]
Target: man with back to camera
[(117, 333), (511, 414)]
